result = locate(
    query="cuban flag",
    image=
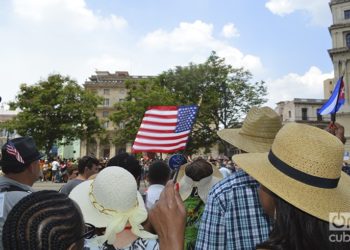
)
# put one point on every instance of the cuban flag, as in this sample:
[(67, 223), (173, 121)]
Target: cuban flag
[(336, 100)]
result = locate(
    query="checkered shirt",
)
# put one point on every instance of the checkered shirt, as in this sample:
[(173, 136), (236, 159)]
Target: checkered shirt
[(233, 217)]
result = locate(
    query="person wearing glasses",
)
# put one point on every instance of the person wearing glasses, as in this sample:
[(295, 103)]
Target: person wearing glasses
[(87, 166), (45, 220)]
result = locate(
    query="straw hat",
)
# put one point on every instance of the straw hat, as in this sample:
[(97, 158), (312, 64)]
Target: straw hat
[(203, 186), (257, 132), (303, 168), (111, 200)]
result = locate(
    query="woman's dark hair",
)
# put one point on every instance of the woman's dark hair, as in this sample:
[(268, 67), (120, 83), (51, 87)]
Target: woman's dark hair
[(128, 162), (297, 230), (43, 220), (199, 169)]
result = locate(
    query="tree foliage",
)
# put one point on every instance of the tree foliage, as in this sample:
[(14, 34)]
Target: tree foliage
[(54, 109), (227, 93)]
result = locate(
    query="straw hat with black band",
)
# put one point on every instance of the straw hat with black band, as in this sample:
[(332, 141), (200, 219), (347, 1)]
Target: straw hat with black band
[(203, 186), (257, 132), (303, 167)]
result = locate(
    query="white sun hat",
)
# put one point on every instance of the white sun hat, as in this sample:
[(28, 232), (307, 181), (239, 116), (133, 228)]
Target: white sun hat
[(111, 200)]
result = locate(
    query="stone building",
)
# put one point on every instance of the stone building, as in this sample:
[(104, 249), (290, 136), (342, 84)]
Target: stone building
[(302, 111), (111, 87), (340, 56)]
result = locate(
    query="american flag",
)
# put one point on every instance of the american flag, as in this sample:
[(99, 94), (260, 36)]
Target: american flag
[(165, 129), (10, 149)]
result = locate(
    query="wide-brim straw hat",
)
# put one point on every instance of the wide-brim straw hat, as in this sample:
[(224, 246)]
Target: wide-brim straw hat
[(203, 187), (257, 132), (304, 169)]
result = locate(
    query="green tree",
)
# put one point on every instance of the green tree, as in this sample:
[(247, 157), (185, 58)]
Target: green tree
[(54, 109), (227, 94)]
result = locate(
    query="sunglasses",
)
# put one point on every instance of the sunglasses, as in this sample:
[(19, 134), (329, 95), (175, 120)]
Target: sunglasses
[(89, 231)]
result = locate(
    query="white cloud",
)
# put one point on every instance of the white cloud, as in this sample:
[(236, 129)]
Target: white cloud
[(229, 30), (66, 12), (197, 40), (317, 9), (290, 86)]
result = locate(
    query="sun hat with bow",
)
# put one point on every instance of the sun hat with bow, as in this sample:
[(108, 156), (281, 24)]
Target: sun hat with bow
[(304, 169), (257, 132), (111, 200), (203, 186)]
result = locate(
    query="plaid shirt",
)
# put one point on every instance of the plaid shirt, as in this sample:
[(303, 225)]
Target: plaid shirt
[(233, 217)]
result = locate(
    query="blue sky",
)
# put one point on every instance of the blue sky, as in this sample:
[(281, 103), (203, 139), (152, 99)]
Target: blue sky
[(282, 42)]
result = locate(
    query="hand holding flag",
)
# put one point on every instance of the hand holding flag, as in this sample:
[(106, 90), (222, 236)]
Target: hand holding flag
[(336, 100)]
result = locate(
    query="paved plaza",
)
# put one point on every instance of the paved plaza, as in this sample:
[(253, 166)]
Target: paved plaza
[(47, 185)]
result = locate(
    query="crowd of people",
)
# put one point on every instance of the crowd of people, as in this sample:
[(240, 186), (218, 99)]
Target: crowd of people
[(286, 189)]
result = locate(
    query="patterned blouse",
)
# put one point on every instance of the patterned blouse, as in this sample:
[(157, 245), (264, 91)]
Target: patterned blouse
[(138, 244)]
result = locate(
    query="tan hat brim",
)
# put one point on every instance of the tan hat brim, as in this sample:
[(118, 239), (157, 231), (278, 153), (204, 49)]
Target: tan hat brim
[(318, 202), (246, 143), (80, 194)]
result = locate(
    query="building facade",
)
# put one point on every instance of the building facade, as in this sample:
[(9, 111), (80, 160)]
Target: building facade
[(111, 87), (340, 56), (302, 111)]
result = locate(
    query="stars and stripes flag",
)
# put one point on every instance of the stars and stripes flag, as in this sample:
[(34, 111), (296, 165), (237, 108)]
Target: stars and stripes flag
[(10, 149), (165, 129), (336, 100)]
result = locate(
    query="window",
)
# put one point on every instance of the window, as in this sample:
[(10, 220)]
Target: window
[(105, 113), (289, 114), (347, 40), (319, 117), (106, 91), (346, 14), (105, 124), (106, 102), (121, 100), (304, 114)]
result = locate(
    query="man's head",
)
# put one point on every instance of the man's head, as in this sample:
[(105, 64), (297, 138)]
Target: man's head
[(88, 166), (21, 155), (257, 133), (158, 173)]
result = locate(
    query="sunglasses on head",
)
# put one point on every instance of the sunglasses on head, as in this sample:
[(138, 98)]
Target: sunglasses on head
[(89, 231)]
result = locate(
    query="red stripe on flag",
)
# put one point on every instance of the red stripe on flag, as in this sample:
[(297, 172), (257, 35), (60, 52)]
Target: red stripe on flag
[(159, 123), (162, 138), (160, 145), (161, 116), (156, 131)]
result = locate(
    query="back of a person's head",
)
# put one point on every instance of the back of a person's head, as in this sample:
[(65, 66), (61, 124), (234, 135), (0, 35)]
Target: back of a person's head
[(43, 220), (158, 173), (296, 229), (199, 169), (86, 161), (127, 162)]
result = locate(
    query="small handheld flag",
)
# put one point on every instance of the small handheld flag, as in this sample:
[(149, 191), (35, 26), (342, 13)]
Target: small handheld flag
[(165, 129), (336, 100)]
